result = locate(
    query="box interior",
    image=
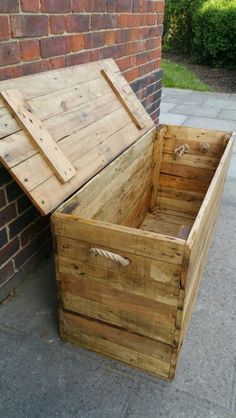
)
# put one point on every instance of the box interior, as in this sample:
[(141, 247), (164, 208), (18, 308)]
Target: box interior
[(123, 195)]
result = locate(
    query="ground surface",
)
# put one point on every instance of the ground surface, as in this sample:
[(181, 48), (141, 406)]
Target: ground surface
[(220, 80), (42, 377)]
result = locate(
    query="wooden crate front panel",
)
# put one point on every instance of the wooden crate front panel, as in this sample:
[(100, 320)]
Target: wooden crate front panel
[(135, 350), (120, 194), (115, 294), (184, 181), (199, 240)]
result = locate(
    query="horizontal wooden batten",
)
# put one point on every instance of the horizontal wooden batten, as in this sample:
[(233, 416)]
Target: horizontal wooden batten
[(122, 238), (136, 314), (135, 350), (140, 268)]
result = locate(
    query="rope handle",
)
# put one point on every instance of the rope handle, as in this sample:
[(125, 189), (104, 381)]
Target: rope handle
[(181, 150), (111, 256)]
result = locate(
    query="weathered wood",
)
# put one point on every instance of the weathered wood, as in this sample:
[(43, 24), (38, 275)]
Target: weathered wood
[(120, 92), (40, 136), (157, 159), (133, 349)]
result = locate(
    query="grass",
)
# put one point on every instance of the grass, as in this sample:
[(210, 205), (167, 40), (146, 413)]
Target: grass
[(179, 76)]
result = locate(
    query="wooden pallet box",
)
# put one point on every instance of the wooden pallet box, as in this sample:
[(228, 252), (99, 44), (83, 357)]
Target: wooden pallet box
[(132, 240)]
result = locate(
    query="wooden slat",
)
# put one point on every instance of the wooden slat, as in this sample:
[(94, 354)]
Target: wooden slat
[(136, 350), (39, 134), (157, 159), (114, 83), (136, 314), (139, 270), (114, 237)]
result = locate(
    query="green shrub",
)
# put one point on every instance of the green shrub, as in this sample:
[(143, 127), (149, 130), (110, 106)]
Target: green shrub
[(214, 33), (178, 23)]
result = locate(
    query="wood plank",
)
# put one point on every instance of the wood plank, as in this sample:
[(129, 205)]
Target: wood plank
[(114, 237), (190, 160), (157, 159), (118, 89), (116, 343), (182, 183), (184, 171), (116, 278), (141, 269), (117, 307), (216, 148), (40, 84), (194, 134), (40, 136)]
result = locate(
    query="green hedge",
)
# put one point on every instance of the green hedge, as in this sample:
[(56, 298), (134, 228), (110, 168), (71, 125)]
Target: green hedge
[(178, 18), (214, 33), (204, 28)]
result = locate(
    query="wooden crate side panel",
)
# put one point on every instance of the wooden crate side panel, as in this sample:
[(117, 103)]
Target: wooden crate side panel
[(122, 190), (135, 350), (199, 241), (185, 180)]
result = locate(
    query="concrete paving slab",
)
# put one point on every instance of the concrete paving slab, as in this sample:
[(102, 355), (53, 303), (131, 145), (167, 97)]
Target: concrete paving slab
[(228, 114), (166, 107), (172, 119), (232, 167), (210, 123), (196, 110), (220, 103), (188, 99)]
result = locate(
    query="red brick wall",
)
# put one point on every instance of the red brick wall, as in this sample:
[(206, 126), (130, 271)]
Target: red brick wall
[(39, 35)]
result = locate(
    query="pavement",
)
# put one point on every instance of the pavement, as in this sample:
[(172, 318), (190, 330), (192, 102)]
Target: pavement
[(43, 377)]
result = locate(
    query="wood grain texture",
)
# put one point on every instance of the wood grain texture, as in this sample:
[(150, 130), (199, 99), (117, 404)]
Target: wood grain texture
[(40, 136), (80, 107)]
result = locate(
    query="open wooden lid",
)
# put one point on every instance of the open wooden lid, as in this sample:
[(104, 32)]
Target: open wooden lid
[(60, 128)]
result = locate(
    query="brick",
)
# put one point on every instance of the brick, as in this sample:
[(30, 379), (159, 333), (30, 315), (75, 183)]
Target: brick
[(9, 6), (109, 52), (77, 23), (9, 250), (78, 6), (9, 53), (2, 199), (105, 21), (123, 35), (94, 40), (29, 25), (80, 58), (6, 272), (124, 6), (77, 42), (95, 5), (57, 24), (5, 177), (110, 38), (58, 62), (95, 55), (13, 191), (30, 6), (30, 50), (3, 237), (32, 68), (7, 214), (136, 7), (33, 229), (111, 6), (4, 28), (31, 249), (22, 221), (56, 6), (6, 73), (23, 203), (132, 74), (51, 47)]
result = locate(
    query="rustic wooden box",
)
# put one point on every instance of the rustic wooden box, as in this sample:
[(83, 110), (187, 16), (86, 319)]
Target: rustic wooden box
[(132, 241), (158, 213)]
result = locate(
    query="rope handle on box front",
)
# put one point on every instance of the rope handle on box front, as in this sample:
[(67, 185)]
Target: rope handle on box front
[(111, 256)]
